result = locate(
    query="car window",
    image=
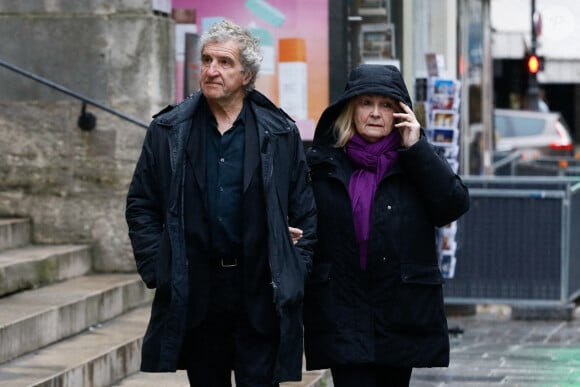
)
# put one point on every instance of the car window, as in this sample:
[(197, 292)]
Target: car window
[(512, 126)]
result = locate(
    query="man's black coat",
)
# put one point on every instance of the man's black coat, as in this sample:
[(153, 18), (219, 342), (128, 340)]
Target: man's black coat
[(156, 217)]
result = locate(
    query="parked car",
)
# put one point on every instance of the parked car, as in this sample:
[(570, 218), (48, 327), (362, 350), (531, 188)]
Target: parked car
[(535, 134)]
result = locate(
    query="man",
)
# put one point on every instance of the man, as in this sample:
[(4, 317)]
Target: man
[(222, 222)]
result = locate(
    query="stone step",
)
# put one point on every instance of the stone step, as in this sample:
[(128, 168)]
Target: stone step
[(319, 378), (98, 357), (14, 232), (179, 379), (35, 318), (33, 266)]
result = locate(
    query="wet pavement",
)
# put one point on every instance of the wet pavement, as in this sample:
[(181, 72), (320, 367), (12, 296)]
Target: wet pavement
[(490, 348)]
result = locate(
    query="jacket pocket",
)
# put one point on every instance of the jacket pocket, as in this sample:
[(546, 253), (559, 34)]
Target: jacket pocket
[(418, 306), (412, 273), (163, 265)]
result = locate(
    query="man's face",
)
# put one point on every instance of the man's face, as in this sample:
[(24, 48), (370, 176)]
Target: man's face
[(222, 76)]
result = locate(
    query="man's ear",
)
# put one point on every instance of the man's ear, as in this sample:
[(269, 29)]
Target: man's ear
[(247, 77)]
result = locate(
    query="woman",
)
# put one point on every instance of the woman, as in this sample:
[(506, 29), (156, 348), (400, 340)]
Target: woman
[(374, 302)]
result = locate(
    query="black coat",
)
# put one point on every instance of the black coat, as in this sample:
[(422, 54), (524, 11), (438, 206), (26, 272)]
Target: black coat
[(392, 313), (155, 216)]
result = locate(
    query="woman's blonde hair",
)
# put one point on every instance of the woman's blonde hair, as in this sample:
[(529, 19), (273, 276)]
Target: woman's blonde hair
[(343, 126)]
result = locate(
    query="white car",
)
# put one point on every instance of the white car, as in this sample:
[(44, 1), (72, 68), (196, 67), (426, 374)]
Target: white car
[(535, 134)]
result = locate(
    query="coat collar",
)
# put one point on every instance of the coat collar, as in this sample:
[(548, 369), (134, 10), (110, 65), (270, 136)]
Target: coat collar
[(251, 154), (269, 121), (267, 114), (196, 151)]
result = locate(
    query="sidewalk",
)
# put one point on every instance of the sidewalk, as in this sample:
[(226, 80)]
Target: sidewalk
[(487, 349), (491, 349)]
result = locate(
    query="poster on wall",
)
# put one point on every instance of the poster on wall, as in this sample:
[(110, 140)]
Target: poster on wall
[(294, 40)]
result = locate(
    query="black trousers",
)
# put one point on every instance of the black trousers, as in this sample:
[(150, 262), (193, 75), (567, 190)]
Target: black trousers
[(227, 341), (370, 375)]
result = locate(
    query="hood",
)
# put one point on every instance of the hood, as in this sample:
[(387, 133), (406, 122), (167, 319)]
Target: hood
[(384, 80)]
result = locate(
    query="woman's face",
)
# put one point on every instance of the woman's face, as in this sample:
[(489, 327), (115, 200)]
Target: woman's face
[(373, 116)]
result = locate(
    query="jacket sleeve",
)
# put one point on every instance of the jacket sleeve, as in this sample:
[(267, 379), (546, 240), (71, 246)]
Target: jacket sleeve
[(438, 185), (302, 207), (144, 212)]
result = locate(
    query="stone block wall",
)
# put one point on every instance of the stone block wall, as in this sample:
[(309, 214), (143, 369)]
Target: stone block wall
[(72, 183)]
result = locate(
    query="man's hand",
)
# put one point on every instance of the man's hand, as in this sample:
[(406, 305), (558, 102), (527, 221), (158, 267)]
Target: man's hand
[(295, 233)]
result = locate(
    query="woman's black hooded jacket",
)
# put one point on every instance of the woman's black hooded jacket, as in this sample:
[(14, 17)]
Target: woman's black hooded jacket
[(392, 313)]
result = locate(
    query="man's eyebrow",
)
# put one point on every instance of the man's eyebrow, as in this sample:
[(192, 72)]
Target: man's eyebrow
[(220, 55)]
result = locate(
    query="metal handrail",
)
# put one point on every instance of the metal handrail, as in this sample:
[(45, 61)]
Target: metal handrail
[(74, 94)]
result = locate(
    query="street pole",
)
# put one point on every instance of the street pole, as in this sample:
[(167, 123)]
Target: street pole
[(466, 136), (355, 21), (487, 91), (533, 90)]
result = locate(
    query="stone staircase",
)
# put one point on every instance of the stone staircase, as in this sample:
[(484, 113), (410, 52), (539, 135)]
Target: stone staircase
[(62, 325)]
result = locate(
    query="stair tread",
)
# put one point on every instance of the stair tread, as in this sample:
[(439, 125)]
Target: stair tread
[(31, 302), (179, 379), (146, 379), (75, 351), (35, 252), (4, 221)]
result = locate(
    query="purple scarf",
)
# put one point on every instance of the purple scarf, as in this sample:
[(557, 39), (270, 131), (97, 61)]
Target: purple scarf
[(372, 161)]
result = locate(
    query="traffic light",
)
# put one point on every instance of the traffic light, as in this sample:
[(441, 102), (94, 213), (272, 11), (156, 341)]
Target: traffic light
[(533, 63)]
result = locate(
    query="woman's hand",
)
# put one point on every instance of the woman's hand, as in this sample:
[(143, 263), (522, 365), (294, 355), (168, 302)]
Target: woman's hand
[(408, 126), (295, 233)]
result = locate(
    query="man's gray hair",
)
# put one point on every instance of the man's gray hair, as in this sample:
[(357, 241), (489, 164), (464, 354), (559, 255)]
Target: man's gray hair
[(250, 53)]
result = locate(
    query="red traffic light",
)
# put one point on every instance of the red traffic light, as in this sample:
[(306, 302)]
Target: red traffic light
[(533, 64)]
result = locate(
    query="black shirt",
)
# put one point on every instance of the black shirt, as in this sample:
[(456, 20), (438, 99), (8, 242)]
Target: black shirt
[(225, 179)]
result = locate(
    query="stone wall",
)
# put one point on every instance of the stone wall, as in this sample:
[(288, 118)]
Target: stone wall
[(72, 183)]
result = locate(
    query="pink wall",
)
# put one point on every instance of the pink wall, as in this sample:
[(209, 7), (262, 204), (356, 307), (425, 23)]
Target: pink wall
[(303, 19)]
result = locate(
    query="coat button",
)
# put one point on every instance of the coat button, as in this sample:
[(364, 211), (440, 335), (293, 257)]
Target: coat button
[(384, 259), (389, 207)]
